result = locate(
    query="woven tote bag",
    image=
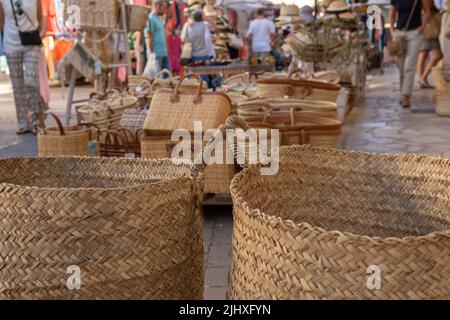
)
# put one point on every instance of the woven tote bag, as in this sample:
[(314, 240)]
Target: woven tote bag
[(298, 89), (320, 227), (175, 109), (131, 227), (62, 141), (298, 129)]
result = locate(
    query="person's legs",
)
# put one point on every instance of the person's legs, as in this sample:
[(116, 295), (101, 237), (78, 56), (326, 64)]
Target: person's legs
[(414, 41), (436, 56), (15, 65), (421, 64), (35, 102)]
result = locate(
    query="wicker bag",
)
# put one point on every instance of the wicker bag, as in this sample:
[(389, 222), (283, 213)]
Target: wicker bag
[(443, 104), (137, 16), (132, 228), (329, 220), (260, 107), (173, 109), (289, 10), (298, 89), (62, 141), (298, 129), (161, 81), (95, 112), (442, 78), (121, 143), (94, 15), (217, 176)]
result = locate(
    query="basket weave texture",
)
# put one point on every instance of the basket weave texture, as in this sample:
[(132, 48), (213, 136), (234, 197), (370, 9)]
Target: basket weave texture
[(313, 230), (131, 226)]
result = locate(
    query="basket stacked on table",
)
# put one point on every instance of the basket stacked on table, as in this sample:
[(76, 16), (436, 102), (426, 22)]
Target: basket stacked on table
[(442, 78), (173, 112)]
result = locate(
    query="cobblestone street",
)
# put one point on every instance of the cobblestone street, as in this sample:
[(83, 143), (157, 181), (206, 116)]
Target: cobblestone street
[(381, 125)]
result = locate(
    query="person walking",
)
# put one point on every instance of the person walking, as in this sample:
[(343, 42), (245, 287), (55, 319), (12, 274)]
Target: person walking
[(430, 45), (156, 35), (23, 28), (261, 36), (195, 32), (408, 19)]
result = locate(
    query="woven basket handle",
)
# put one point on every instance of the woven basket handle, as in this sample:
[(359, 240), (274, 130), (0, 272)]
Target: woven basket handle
[(302, 73), (98, 103), (233, 122), (41, 121), (176, 92), (160, 74)]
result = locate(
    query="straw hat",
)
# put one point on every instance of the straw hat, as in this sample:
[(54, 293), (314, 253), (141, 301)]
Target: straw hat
[(347, 16), (289, 10)]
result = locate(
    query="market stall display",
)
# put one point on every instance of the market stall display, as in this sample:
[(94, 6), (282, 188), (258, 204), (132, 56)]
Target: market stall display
[(299, 219)]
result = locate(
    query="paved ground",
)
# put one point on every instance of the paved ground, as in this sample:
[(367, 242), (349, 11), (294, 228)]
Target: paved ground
[(381, 125)]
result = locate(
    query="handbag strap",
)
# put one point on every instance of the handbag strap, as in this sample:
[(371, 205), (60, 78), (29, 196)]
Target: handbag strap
[(411, 15), (14, 12)]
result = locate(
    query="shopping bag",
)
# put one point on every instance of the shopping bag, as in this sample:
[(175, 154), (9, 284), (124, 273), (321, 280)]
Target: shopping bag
[(152, 67)]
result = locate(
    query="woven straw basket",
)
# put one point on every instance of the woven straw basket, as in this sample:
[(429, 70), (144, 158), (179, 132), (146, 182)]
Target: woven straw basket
[(131, 226), (442, 78), (62, 141), (298, 89), (298, 129), (137, 17), (317, 228), (217, 176)]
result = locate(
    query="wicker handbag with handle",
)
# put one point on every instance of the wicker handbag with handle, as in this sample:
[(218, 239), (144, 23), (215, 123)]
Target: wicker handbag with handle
[(62, 141), (175, 109)]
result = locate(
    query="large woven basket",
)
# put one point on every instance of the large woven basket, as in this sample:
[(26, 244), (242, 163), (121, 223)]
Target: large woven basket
[(330, 222), (298, 129), (62, 141), (131, 227)]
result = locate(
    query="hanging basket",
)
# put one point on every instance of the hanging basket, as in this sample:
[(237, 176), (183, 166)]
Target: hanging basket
[(137, 16), (132, 228), (94, 15), (330, 220)]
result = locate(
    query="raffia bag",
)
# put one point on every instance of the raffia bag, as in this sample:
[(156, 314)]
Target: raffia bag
[(320, 227), (133, 228), (217, 176), (137, 16), (298, 129), (442, 78), (260, 107), (176, 109), (63, 141), (298, 89), (95, 15), (443, 104)]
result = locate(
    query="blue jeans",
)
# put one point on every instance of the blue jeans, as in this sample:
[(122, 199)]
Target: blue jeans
[(164, 62)]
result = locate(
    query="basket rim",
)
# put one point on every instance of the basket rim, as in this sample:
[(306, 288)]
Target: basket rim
[(109, 159), (288, 224)]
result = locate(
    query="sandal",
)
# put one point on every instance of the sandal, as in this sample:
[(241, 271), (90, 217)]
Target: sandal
[(424, 85), (22, 131)]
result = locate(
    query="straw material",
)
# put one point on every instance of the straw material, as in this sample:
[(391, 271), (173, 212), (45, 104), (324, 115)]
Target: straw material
[(289, 10), (131, 226), (62, 141), (260, 107), (137, 16), (121, 143), (297, 129), (313, 230), (217, 176), (443, 104), (442, 78), (96, 15), (298, 89), (175, 109)]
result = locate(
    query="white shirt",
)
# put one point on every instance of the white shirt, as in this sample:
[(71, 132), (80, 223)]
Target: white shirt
[(260, 30), (27, 22)]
